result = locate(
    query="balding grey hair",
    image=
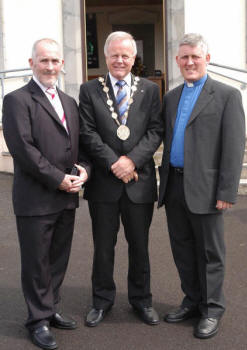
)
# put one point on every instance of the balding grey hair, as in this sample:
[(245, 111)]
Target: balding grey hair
[(119, 36)]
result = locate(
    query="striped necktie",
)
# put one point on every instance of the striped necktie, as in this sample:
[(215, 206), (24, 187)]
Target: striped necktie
[(51, 91), (55, 101), (122, 100)]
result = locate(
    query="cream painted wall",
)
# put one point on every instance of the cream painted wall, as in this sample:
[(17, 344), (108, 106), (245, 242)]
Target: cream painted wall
[(26, 21), (23, 22), (31, 20), (223, 23), (104, 27)]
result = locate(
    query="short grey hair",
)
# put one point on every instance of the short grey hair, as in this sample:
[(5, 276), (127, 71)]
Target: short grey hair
[(45, 40), (119, 36), (194, 39)]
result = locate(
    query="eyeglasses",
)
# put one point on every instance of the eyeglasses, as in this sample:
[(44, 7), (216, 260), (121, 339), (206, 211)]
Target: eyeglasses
[(124, 58)]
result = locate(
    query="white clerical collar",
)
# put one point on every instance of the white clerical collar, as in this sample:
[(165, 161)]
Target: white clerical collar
[(127, 79), (43, 88), (197, 82), (189, 85)]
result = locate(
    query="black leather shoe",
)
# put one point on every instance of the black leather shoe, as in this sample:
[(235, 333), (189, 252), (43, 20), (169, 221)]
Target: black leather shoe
[(180, 314), (62, 322), (207, 328), (43, 338), (148, 314), (94, 317)]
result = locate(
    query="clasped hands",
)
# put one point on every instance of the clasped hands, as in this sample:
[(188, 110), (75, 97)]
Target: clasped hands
[(73, 183), (124, 169)]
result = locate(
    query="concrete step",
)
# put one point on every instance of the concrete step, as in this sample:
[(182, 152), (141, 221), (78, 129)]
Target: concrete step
[(243, 182), (244, 171), (242, 189), (245, 156), (7, 166), (6, 162)]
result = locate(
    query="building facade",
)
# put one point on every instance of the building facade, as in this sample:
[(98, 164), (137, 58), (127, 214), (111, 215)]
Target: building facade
[(81, 26)]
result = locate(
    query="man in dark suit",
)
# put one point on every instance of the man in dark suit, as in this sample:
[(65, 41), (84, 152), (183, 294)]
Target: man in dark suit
[(199, 177), (41, 129), (121, 129)]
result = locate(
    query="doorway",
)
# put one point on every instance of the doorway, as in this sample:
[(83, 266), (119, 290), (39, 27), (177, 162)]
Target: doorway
[(144, 36), (144, 19)]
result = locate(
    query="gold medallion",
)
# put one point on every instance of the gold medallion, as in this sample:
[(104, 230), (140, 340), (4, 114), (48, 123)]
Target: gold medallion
[(123, 132)]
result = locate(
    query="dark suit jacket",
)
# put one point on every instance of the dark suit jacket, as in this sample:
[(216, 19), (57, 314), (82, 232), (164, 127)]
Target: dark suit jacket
[(41, 149), (213, 146), (99, 137)]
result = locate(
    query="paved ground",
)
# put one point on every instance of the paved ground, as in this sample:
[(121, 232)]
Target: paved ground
[(122, 330)]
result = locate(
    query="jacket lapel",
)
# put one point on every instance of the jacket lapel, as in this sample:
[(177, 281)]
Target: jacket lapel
[(67, 111), (138, 95), (40, 97), (111, 96), (110, 93), (137, 98), (204, 98), (174, 105)]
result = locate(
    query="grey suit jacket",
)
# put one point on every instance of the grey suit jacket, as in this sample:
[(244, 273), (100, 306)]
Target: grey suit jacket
[(41, 149), (213, 146), (99, 137)]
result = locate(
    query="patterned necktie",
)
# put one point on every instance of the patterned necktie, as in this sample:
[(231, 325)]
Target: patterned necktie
[(51, 91), (55, 101), (122, 100)]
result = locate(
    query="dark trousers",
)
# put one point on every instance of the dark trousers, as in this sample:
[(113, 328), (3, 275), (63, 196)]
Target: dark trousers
[(45, 244), (136, 219), (197, 242)]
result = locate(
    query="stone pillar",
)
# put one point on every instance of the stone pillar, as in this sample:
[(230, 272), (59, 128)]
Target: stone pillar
[(72, 46), (175, 30)]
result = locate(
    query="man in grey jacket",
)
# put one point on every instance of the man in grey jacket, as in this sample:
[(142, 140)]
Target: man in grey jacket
[(199, 177)]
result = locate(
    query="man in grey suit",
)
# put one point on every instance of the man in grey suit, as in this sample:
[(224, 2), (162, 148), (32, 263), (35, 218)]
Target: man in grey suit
[(41, 129), (121, 130), (199, 177)]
